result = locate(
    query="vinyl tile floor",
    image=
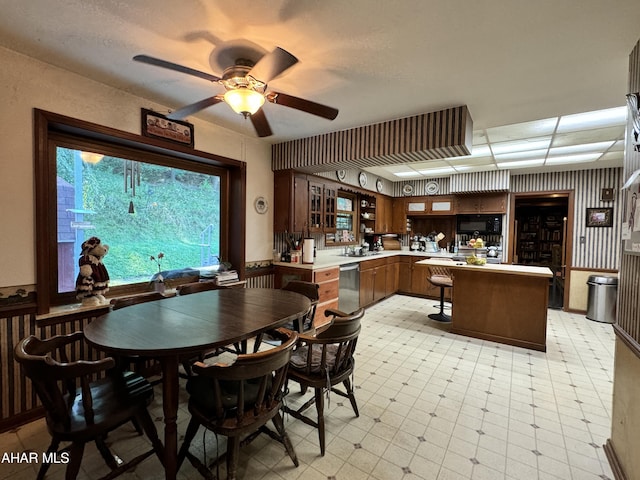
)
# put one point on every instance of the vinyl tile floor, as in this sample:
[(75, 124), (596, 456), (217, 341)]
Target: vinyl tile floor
[(433, 405)]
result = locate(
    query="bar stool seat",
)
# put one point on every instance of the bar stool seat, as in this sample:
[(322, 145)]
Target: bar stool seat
[(440, 276)]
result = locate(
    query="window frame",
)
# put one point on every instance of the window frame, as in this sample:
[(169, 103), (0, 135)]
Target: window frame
[(52, 130)]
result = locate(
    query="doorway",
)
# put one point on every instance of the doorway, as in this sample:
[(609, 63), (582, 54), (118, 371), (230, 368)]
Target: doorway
[(541, 226)]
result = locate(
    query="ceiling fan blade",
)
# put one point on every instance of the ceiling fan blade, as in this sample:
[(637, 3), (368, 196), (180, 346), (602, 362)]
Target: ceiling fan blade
[(272, 64), (174, 66), (261, 124), (308, 106), (193, 108)]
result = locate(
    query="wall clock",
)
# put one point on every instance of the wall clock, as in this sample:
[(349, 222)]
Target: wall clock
[(407, 189), (432, 187), (379, 185), (341, 174), (362, 179), (261, 205)]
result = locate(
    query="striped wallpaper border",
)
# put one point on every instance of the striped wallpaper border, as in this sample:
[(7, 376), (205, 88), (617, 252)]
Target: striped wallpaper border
[(442, 134)]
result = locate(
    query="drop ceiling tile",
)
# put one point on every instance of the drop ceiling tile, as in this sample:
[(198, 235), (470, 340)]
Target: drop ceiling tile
[(617, 156), (471, 161), (588, 136), (520, 131), (429, 164), (589, 120)]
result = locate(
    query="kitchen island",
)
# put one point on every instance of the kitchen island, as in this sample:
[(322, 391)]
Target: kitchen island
[(501, 303)]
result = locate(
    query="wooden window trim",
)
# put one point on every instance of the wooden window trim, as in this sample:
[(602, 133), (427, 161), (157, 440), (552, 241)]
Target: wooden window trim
[(51, 126)]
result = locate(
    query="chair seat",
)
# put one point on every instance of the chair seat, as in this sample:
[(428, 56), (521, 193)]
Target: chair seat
[(299, 358), (116, 398), (203, 395), (440, 281)]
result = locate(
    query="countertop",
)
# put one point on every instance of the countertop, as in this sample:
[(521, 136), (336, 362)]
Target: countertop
[(491, 267), (334, 259)]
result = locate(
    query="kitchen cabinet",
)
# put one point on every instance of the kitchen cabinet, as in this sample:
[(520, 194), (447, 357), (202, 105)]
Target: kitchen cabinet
[(392, 276), (430, 205), (487, 203), (399, 222), (404, 274), (290, 202), (373, 278), (322, 206), (412, 279), (328, 280), (377, 214)]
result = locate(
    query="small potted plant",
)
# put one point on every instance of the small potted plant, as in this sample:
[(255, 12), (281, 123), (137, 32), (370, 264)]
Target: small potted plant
[(158, 281)]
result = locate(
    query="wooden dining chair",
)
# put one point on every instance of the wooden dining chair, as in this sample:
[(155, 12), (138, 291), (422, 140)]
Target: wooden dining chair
[(144, 366), (104, 400), (238, 400), (312, 292), (324, 361)]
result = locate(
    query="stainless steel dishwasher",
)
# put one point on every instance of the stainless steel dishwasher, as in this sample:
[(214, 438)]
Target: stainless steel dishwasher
[(349, 290)]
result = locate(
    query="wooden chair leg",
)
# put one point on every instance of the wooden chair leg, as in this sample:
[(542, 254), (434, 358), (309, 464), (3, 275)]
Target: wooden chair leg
[(75, 459), (53, 448), (320, 409), (286, 441), (233, 452), (192, 429), (152, 434), (351, 395), (106, 454)]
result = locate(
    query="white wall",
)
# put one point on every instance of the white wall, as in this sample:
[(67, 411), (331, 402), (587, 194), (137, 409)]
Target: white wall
[(26, 84)]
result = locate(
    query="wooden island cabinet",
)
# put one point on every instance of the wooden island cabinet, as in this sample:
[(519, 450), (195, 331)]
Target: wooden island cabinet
[(501, 303)]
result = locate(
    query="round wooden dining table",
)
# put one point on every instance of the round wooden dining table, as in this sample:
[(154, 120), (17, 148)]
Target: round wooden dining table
[(181, 327)]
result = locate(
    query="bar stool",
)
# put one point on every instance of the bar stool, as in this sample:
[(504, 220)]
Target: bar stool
[(440, 276)]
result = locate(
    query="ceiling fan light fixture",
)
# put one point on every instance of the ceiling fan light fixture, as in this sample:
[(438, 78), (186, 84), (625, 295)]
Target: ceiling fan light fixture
[(244, 100), (91, 157)]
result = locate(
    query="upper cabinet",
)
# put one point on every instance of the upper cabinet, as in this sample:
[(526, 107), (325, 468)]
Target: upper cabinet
[(482, 203), (376, 213), (430, 205), (322, 206), (291, 202)]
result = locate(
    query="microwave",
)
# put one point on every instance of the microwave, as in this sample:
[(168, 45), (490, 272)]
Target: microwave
[(483, 224)]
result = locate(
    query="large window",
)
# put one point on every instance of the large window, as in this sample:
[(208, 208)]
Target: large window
[(140, 196), (140, 210)]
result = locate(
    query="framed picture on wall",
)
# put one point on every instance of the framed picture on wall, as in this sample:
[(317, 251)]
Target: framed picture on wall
[(156, 125), (599, 217)]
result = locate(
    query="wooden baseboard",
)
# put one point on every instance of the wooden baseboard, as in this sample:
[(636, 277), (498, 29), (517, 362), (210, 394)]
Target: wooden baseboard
[(614, 461)]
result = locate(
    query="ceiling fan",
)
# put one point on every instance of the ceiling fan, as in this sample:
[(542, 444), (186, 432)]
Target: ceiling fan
[(245, 85)]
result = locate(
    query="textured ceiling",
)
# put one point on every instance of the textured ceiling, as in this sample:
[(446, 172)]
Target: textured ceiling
[(509, 61)]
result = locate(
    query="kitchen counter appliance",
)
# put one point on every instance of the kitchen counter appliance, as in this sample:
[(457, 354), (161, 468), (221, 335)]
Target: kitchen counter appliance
[(480, 223), (349, 289)]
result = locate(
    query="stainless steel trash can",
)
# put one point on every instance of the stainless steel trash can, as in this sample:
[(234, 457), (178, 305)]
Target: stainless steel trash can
[(603, 290)]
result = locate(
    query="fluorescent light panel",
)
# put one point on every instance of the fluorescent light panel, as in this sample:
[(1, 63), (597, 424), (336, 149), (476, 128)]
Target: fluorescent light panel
[(521, 145), (599, 118), (585, 157)]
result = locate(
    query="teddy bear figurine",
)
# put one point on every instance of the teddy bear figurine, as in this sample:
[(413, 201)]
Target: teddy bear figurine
[(93, 280)]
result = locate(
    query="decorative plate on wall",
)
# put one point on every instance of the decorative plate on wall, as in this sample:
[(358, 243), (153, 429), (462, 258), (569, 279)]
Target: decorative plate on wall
[(362, 179), (379, 185), (341, 174), (407, 189), (432, 187), (261, 205)]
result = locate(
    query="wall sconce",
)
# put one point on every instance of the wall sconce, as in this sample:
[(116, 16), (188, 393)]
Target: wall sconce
[(633, 102)]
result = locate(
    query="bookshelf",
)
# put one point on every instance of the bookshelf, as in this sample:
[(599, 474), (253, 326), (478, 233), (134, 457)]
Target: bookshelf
[(540, 237)]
